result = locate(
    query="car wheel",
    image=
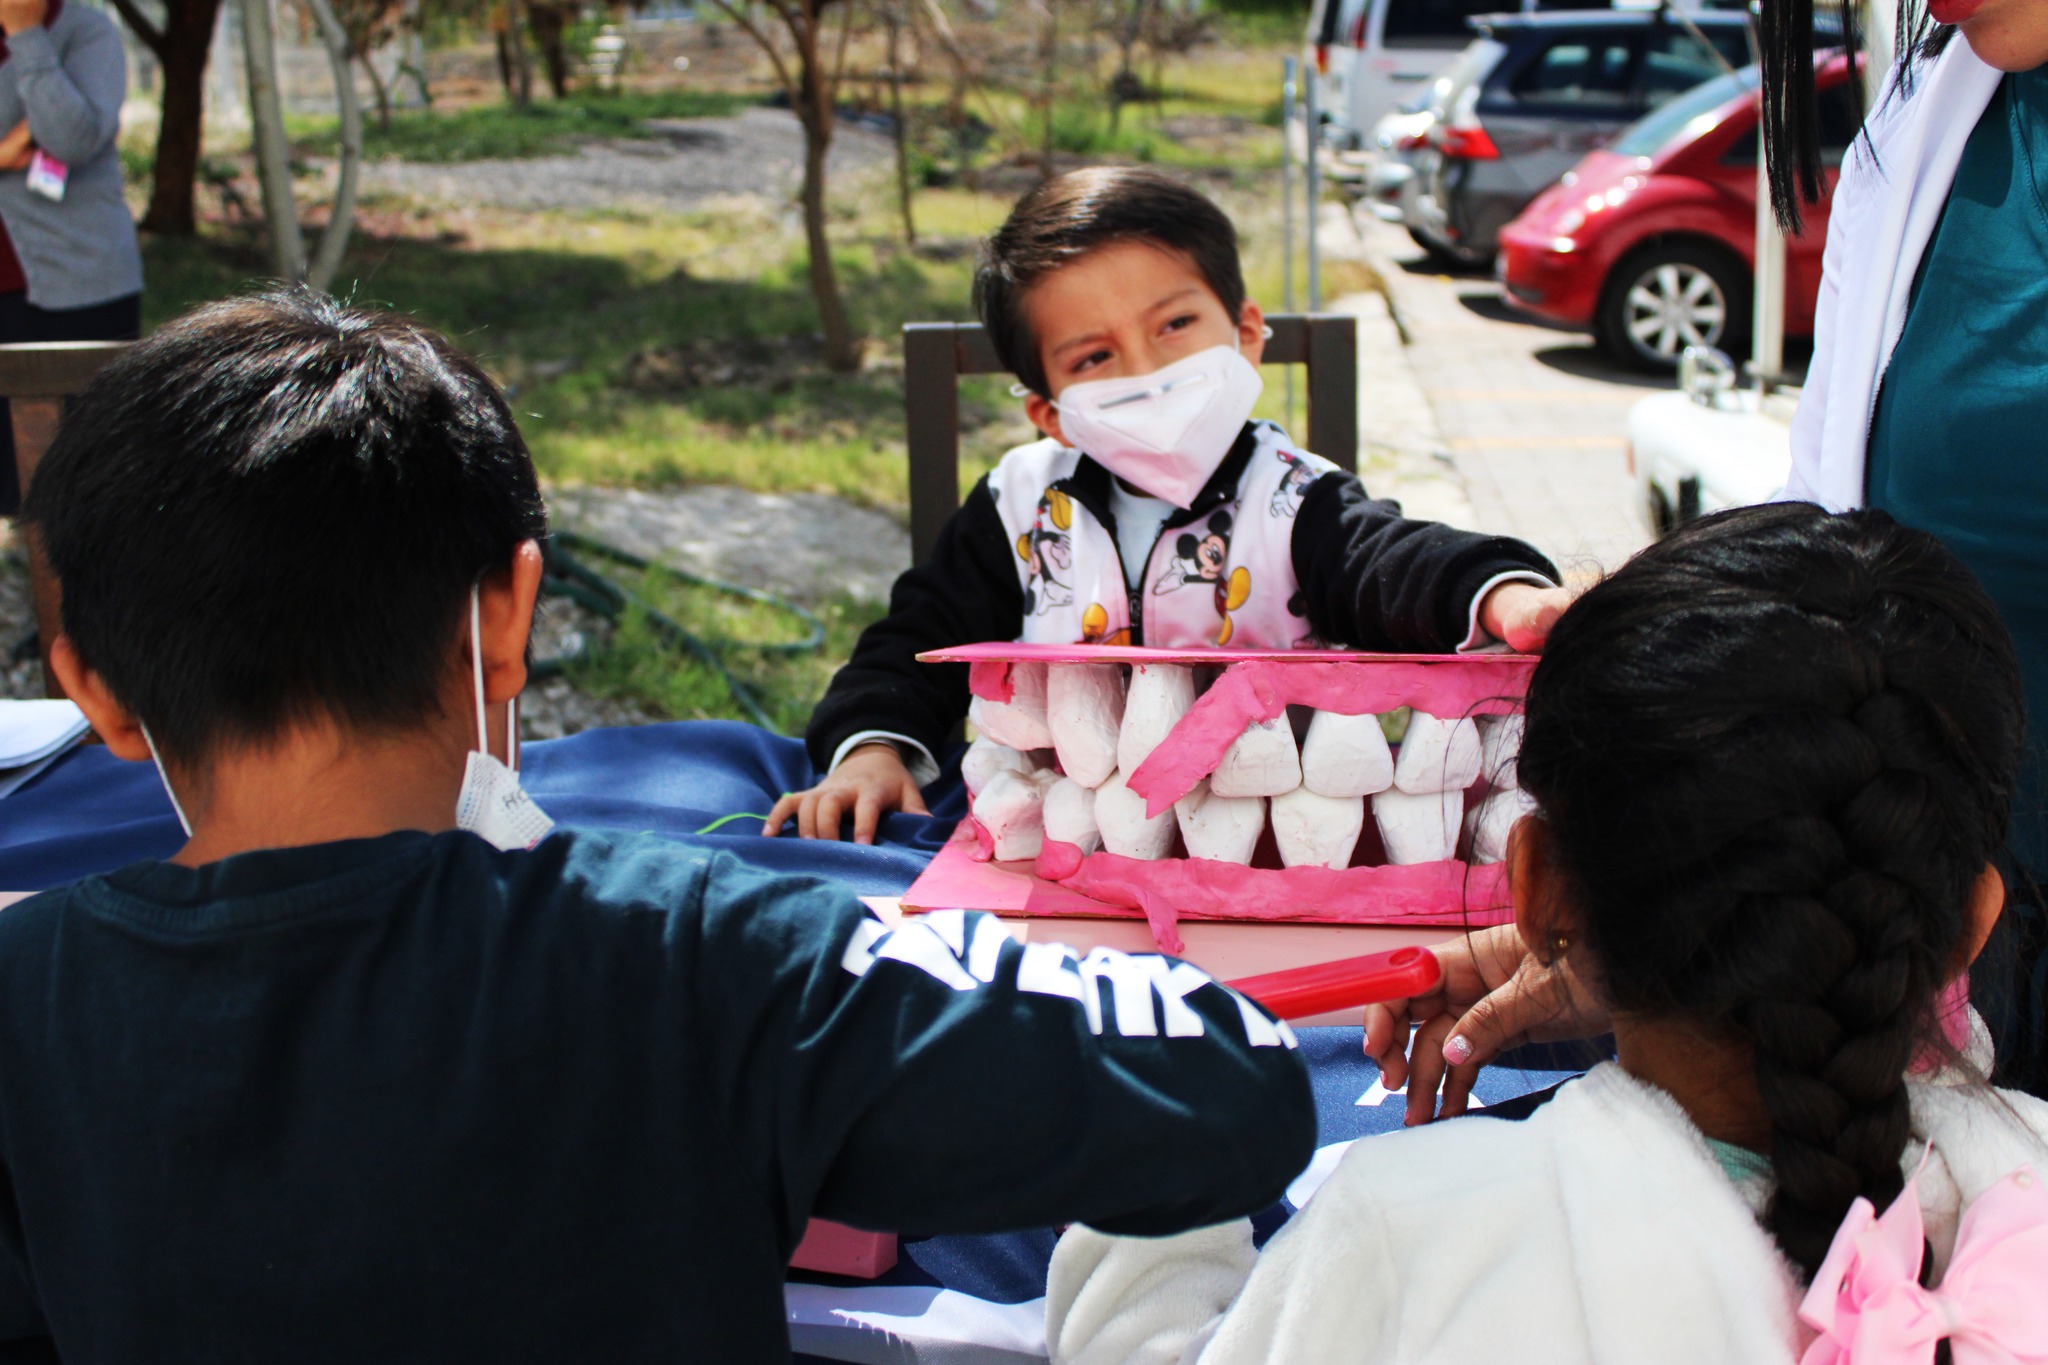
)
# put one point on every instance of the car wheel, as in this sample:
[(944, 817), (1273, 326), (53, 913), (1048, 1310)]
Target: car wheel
[(1671, 296)]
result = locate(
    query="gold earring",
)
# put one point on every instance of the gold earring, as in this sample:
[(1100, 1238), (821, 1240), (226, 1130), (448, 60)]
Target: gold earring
[(1560, 944)]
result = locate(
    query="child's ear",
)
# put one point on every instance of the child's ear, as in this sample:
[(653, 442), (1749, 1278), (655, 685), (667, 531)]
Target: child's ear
[(1044, 416), (1251, 332), (119, 729), (505, 601), (1542, 916), (1987, 903)]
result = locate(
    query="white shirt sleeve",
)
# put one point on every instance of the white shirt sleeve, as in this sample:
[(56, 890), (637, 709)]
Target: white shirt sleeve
[(924, 769), (1475, 634)]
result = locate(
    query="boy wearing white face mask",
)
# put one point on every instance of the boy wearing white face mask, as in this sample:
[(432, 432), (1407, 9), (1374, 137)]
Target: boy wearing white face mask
[(375, 1067), (1155, 511)]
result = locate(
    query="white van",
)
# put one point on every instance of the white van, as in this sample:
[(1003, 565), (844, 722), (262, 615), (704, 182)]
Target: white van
[(1368, 57)]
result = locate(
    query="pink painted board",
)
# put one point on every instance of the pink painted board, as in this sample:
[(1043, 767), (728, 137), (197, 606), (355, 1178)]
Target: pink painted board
[(835, 1249)]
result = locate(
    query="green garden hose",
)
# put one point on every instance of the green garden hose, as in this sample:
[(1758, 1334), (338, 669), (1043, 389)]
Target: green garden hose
[(566, 576)]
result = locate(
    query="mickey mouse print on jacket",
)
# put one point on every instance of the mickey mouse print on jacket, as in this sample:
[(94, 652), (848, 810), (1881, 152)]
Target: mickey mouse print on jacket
[(1279, 550), (1220, 573)]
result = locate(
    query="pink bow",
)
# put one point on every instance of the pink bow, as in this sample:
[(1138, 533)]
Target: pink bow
[(1992, 1306)]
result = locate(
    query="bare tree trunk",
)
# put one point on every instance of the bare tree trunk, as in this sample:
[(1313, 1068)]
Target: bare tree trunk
[(550, 26), (379, 89), (349, 111), (273, 155), (181, 48), (1048, 58), (895, 25), (517, 63), (842, 351)]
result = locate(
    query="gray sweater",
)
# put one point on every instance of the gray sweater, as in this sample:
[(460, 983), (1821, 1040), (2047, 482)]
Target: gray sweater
[(68, 81)]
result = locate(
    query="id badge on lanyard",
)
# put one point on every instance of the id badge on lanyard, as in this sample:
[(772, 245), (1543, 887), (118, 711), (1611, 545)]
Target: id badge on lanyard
[(46, 176)]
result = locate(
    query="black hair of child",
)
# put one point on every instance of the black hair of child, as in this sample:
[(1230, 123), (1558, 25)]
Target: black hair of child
[(1774, 753), (1081, 211), (272, 510)]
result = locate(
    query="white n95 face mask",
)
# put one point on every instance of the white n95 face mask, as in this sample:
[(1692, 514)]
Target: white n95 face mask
[(492, 805), (1165, 432)]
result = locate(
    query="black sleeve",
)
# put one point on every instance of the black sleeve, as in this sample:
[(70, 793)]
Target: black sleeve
[(966, 593), (943, 1078), (1374, 579)]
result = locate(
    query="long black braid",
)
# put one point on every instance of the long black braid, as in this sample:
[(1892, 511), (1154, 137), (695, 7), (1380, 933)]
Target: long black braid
[(1774, 752)]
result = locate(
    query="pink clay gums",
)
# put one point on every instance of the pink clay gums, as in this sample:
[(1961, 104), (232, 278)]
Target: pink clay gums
[(1190, 785)]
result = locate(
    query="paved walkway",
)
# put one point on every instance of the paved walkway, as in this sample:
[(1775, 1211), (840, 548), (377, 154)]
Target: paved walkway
[(1531, 418)]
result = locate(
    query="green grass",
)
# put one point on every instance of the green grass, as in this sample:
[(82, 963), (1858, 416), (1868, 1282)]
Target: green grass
[(502, 130), (639, 664)]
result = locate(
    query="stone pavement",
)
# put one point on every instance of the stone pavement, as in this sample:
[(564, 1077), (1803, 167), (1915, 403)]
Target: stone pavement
[(1532, 419)]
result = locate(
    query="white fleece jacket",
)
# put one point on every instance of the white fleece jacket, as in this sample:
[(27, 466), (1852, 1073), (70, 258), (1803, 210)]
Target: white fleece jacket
[(1886, 206), (1599, 1229)]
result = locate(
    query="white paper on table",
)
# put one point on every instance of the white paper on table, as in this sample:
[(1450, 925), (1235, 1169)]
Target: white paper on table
[(33, 735)]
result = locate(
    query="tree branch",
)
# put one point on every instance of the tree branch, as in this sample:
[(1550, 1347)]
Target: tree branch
[(790, 86), (152, 36)]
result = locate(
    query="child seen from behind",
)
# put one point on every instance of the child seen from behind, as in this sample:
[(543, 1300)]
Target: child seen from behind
[(1773, 758), (1155, 511)]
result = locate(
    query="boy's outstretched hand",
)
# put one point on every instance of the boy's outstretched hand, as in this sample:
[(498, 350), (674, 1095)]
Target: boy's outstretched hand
[(869, 783), (1520, 615)]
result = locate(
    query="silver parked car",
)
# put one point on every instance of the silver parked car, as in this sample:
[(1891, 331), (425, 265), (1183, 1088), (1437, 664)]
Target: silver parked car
[(1534, 94)]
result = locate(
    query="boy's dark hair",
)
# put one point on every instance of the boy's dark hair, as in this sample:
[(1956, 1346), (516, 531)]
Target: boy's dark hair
[(1774, 753), (1082, 211), (273, 510)]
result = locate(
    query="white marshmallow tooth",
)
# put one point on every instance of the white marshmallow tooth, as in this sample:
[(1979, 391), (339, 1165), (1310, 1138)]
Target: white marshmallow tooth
[(1019, 722), (1070, 815), (1160, 695), (1126, 831), (1313, 830), (1437, 755), (1419, 827), (1223, 829), (985, 758), (1346, 756), (1012, 809), (1491, 820), (1260, 762), (1084, 704), (1500, 745)]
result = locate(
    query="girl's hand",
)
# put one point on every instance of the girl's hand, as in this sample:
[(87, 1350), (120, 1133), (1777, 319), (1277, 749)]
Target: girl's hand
[(1494, 996), (17, 147), (1519, 615), (16, 15), (870, 782)]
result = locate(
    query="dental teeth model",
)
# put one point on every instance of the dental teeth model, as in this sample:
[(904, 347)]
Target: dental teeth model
[(1437, 755), (1313, 830), (1070, 815), (985, 758), (1012, 809), (1160, 695), (1491, 820), (1500, 742), (1223, 829), (1346, 756), (1418, 828), (1260, 762), (1084, 705), (1126, 832), (1019, 722)]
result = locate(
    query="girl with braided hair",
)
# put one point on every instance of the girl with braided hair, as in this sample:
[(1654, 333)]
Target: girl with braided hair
[(1773, 758)]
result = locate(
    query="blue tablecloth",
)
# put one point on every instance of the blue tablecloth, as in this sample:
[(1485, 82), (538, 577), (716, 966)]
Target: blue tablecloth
[(92, 812), (951, 1299)]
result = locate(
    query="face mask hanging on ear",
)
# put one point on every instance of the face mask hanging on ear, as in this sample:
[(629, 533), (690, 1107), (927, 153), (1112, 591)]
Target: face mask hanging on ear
[(1165, 432), (492, 805), (164, 776)]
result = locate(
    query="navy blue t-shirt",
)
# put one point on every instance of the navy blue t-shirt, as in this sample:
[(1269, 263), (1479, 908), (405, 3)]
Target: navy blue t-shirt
[(412, 1098)]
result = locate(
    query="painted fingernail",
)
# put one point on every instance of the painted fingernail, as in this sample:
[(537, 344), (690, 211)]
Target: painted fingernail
[(1458, 1049)]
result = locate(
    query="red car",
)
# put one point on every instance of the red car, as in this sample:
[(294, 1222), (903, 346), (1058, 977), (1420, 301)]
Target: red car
[(1651, 242)]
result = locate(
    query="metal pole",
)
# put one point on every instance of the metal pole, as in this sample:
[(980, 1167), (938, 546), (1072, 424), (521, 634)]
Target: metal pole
[(1287, 111), (1312, 178)]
